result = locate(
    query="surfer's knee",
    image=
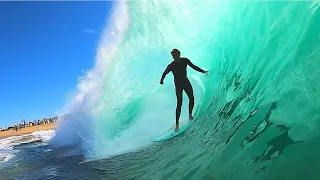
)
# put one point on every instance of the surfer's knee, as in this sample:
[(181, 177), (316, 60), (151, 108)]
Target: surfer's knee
[(191, 100), (179, 103)]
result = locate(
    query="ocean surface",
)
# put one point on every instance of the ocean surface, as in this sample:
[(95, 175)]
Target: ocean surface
[(257, 111)]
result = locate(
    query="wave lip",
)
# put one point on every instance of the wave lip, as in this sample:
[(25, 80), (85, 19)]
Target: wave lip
[(84, 105)]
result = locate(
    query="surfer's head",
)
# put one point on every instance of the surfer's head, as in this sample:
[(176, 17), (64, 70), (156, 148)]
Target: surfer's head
[(175, 54)]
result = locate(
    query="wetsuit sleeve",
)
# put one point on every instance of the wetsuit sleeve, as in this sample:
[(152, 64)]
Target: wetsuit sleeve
[(195, 67), (168, 69)]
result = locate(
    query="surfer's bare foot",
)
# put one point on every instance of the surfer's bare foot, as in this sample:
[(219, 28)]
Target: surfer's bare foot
[(177, 128), (191, 117)]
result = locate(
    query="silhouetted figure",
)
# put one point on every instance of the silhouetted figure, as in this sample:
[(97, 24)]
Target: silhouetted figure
[(178, 67)]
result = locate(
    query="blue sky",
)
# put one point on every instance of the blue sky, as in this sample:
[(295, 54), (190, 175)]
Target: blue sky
[(44, 48)]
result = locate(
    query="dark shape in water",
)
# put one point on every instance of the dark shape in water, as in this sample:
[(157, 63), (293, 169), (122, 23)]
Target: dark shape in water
[(277, 144)]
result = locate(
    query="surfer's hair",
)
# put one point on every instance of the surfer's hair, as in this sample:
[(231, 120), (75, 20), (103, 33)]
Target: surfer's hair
[(175, 51)]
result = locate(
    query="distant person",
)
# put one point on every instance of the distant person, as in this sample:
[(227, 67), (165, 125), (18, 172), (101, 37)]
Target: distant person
[(178, 67)]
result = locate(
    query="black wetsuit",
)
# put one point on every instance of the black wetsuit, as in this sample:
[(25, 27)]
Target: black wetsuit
[(181, 81)]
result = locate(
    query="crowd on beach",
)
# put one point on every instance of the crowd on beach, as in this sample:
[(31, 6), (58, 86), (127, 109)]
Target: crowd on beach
[(25, 124)]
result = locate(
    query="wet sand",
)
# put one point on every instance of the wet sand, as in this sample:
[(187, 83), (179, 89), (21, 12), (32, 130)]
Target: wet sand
[(27, 130)]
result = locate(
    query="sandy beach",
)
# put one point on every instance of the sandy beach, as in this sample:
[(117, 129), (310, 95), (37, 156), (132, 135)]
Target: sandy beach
[(27, 130)]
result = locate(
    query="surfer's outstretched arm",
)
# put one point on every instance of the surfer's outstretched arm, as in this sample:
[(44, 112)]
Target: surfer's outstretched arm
[(168, 69), (195, 67)]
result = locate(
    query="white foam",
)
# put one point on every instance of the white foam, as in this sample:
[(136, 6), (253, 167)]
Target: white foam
[(5, 157), (44, 135), (7, 151)]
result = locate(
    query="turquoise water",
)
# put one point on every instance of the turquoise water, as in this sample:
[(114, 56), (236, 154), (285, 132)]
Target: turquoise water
[(257, 110)]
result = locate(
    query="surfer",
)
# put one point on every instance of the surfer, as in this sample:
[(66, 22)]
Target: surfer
[(178, 67)]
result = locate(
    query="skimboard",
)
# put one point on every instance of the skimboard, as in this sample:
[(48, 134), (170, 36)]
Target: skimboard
[(170, 133)]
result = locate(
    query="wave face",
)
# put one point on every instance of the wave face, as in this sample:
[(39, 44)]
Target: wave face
[(257, 108)]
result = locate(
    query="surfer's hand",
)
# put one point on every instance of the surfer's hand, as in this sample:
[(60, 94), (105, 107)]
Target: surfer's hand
[(161, 82)]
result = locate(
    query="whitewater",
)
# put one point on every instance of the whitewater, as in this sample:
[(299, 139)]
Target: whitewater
[(257, 110)]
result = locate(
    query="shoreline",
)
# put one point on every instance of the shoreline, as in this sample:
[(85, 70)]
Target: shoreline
[(27, 130)]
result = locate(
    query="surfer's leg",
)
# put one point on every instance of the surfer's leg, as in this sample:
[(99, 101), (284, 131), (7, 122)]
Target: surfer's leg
[(189, 91), (179, 90)]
